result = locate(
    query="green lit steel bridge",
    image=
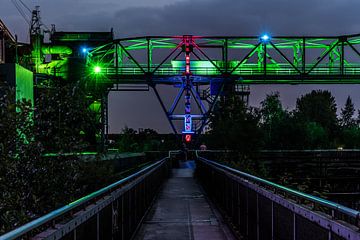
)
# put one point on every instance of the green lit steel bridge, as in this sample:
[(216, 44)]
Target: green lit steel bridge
[(245, 60), (202, 67)]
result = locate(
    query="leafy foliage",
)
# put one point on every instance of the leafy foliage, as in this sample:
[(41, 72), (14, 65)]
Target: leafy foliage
[(144, 140), (347, 114), (63, 118), (318, 106), (30, 183), (234, 126), (313, 124)]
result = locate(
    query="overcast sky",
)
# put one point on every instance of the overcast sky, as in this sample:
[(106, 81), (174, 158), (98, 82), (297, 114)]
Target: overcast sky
[(198, 17)]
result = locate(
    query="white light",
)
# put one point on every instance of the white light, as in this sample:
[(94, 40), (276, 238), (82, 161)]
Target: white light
[(265, 37), (97, 69)]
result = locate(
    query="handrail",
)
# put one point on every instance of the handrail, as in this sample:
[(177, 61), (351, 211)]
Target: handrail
[(286, 151), (67, 208), (332, 205)]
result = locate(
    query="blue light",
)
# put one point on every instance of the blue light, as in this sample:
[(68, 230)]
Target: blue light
[(84, 50), (265, 38)]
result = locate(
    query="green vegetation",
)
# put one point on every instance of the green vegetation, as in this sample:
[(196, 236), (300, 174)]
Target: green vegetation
[(31, 183), (144, 140), (313, 124)]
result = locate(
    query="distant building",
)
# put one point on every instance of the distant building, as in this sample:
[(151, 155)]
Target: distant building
[(7, 45), (12, 75)]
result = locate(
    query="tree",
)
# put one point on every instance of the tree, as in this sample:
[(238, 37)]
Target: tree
[(128, 141), (32, 183), (347, 113), (62, 117), (234, 126), (315, 136), (272, 120), (319, 107), (271, 108)]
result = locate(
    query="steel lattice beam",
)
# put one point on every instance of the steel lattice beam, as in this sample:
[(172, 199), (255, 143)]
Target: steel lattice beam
[(154, 60)]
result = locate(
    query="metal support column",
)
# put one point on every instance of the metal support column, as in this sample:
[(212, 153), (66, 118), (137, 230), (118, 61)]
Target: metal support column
[(104, 120)]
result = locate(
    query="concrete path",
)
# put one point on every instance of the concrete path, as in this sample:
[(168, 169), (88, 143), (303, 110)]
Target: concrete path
[(181, 212)]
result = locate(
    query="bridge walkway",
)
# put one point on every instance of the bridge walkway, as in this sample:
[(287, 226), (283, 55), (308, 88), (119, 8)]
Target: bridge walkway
[(183, 212)]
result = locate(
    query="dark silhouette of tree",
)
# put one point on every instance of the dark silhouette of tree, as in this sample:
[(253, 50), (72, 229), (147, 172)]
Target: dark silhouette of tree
[(62, 117), (273, 118), (314, 111), (347, 114), (318, 106), (234, 126), (31, 183), (128, 141), (350, 131)]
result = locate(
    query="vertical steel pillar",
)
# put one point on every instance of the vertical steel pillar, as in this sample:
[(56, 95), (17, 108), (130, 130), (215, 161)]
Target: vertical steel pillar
[(149, 55), (226, 58), (118, 58), (104, 120), (297, 54), (342, 57), (261, 57), (303, 56), (187, 86), (331, 60), (264, 58)]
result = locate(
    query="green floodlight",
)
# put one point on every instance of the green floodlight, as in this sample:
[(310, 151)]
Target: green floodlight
[(97, 69)]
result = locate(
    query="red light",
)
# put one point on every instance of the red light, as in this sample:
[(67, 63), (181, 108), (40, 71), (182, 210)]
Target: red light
[(187, 69), (188, 138)]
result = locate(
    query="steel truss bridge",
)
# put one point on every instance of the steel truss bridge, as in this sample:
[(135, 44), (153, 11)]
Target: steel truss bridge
[(193, 63)]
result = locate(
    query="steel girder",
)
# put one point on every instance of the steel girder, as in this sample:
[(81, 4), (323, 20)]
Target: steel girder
[(154, 60)]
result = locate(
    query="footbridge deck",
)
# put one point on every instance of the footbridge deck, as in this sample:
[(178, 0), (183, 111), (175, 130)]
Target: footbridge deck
[(182, 211)]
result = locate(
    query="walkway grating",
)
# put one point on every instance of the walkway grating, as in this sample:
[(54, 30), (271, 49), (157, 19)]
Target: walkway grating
[(182, 212)]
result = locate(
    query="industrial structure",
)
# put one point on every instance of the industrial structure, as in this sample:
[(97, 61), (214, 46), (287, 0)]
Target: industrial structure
[(204, 69)]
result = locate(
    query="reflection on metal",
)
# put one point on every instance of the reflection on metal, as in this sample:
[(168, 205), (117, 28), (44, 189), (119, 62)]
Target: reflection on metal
[(262, 209)]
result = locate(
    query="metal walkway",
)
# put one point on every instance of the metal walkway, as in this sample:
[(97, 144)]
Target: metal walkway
[(181, 211)]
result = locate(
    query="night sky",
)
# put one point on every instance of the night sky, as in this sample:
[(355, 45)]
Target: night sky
[(198, 17)]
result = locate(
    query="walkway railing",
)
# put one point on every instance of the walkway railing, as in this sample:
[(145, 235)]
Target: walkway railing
[(113, 212), (260, 209)]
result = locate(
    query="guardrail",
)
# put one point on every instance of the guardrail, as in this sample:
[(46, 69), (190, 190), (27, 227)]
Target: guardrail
[(248, 69), (260, 209), (111, 212)]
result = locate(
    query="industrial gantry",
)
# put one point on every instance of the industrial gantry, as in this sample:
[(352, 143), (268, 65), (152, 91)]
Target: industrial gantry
[(205, 68)]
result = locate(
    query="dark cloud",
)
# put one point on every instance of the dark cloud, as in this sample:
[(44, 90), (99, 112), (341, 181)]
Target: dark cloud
[(225, 17)]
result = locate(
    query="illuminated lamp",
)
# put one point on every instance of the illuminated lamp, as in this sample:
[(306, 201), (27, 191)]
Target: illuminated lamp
[(187, 138), (97, 69), (265, 38)]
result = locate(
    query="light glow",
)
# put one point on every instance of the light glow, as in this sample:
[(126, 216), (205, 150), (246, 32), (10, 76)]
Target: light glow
[(188, 138), (97, 69), (265, 38)]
